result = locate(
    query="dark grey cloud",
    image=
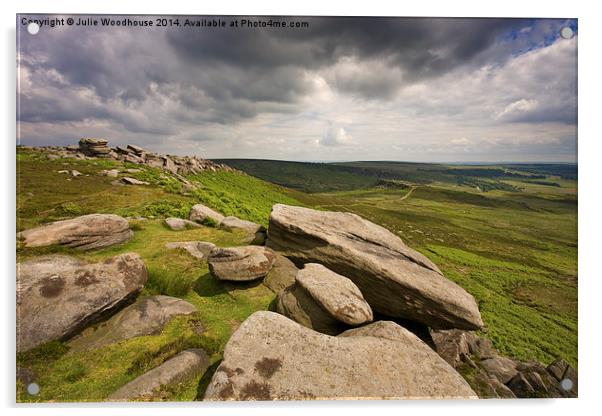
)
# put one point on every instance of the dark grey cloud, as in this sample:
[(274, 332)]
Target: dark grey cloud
[(158, 82)]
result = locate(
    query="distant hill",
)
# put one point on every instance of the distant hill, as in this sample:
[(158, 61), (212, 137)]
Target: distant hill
[(345, 176)]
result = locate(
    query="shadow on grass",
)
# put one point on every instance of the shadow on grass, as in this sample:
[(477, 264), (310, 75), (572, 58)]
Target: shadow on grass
[(209, 286), (204, 381)]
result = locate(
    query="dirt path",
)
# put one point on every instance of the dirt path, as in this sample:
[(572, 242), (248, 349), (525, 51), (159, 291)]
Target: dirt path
[(369, 203)]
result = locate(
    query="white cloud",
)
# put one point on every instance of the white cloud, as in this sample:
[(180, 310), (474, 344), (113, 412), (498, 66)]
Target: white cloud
[(517, 108), (336, 136)]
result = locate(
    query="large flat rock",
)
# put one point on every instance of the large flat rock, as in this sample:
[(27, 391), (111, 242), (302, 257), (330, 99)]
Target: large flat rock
[(58, 296), (271, 357), (394, 279), (148, 316), (84, 233), (178, 369), (240, 263)]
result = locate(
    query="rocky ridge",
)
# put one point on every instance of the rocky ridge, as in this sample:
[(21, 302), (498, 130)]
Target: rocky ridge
[(90, 148)]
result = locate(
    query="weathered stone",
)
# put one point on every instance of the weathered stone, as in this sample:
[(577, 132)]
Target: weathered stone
[(561, 370), (282, 275), (136, 149), (198, 249), (483, 348), (122, 150), (545, 383), (394, 279), (179, 224), (502, 391), (521, 387), (452, 344), (75, 173), (200, 213), (111, 173), (132, 181), (169, 165), (339, 296), (84, 233), (94, 147), (58, 296), (148, 316), (257, 233), (295, 303), (130, 158), (271, 357), (240, 263), (502, 368), (176, 370)]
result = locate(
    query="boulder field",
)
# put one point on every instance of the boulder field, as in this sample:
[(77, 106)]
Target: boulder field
[(332, 273), (394, 279)]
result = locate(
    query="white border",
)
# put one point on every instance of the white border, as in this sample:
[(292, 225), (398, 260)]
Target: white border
[(589, 190)]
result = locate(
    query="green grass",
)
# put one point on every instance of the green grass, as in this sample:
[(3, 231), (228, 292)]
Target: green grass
[(44, 195), (244, 196), (305, 177), (83, 376), (515, 252)]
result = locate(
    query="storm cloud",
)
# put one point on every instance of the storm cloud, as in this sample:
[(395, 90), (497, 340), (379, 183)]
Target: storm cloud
[(339, 89)]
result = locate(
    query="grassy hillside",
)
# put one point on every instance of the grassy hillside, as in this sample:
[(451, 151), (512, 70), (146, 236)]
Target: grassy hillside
[(513, 247), (306, 177), (506, 233), (45, 195), (344, 176)]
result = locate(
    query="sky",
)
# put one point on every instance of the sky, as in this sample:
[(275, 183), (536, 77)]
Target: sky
[(341, 89)]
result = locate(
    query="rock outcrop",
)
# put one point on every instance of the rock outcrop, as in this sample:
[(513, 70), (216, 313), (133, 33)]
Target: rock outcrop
[(240, 263), (257, 233), (271, 357), (94, 147), (395, 280), (324, 301), (58, 296), (90, 148), (179, 224), (200, 213), (176, 370), (84, 233), (148, 316), (198, 249), (493, 375)]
